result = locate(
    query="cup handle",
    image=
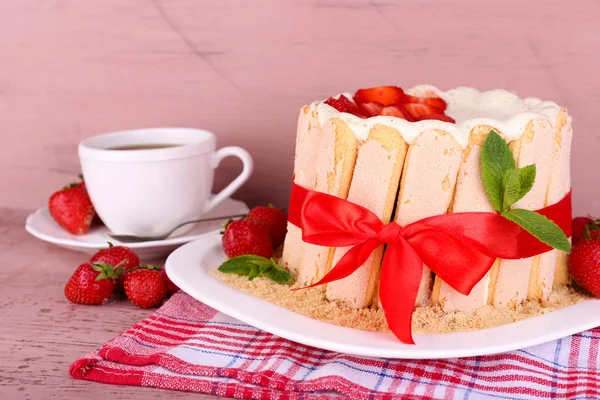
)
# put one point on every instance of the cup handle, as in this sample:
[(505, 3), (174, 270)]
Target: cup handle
[(238, 181)]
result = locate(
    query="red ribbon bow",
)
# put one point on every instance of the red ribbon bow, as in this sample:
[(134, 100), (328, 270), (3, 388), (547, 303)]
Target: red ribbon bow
[(460, 248)]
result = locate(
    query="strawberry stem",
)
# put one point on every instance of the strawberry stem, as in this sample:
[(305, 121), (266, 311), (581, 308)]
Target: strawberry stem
[(586, 232), (225, 225), (149, 267)]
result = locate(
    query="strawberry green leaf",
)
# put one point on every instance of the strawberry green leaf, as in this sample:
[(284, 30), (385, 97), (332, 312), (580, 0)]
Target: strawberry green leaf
[(496, 160), (540, 227), (148, 266)]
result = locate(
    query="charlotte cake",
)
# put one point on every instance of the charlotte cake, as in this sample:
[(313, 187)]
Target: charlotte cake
[(429, 148)]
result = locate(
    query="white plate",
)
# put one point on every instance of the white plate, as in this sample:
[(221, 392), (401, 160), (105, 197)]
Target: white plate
[(41, 225), (189, 268)]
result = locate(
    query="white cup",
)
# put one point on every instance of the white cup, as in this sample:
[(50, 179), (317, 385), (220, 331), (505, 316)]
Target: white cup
[(149, 192)]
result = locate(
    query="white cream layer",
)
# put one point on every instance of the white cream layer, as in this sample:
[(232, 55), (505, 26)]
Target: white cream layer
[(469, 107)]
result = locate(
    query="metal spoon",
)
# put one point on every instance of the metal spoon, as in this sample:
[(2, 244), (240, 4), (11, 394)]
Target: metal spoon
[(135, 239)]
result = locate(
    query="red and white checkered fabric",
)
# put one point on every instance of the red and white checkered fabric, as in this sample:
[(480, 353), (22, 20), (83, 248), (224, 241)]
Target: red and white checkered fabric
[(187, 345)]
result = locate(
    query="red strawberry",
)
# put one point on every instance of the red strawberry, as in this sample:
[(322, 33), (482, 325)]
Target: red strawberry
[(436, 102), (72, 208), (417, 110), (171, 287), (396, 111), (370, 109), (245, 236), (343, 104), (349, 105), (91, 284), (584, 265), (273, 219), (145, 287), (117, 256), (385, 95), (440, 117), (579, 228)]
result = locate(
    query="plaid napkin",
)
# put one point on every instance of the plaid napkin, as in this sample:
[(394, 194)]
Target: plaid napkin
[(187, 345)]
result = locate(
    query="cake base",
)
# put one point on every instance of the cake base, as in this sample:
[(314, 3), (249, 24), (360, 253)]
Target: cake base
[(426, 320)]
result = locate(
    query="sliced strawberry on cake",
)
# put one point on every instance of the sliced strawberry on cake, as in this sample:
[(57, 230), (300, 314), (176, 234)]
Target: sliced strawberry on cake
[(344, 104), (418, 110), (391, 101), (371, 109), (436, 102), (384, 95), (397, 111)]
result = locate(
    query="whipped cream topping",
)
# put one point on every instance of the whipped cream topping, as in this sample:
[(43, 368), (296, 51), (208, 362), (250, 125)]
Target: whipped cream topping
[(500, 109)]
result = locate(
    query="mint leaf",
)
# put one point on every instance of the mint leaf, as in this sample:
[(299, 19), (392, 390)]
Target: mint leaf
[(540, 227), (496, 160), (234, 266), (512, 189), (278, 275), (254, 271), (526, 179), (517, 183), (262, 265), (254, 266)]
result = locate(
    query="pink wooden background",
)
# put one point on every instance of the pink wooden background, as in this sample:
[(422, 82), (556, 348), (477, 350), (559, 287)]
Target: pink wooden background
[(71, 69)]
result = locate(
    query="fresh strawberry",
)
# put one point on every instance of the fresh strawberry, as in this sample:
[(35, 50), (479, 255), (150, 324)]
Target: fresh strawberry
[(579, 229), (385, 95), (349, 105), (273, 219), (91, 284), (145, 287), (396, 111), (245, 236), (171, 287), (72, 208), (344, 104), (370, 109), (436, 102), (440, 117), (417, 110), (584, 265), (335, 103), (119, 257)]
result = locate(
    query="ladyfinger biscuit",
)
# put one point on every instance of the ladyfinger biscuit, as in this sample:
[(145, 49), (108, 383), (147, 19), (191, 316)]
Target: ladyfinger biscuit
[(427, 186), (536, 146), (469, 195), (542, 275), (334, 167), (308, 139), (374, 186)]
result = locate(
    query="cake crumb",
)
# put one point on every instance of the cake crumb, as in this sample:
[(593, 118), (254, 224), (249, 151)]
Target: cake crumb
[(312, 303)]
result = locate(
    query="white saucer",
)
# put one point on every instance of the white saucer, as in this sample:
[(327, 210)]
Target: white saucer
[(41, 225), (189, 266)]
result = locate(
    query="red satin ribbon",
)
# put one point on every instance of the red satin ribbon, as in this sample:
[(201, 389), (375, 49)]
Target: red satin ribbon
[(460, 248)]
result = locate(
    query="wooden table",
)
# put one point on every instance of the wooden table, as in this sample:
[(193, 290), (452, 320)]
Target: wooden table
[(41, 333)]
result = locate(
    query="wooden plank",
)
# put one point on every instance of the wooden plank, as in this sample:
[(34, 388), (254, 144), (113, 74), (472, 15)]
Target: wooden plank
[(42, 333)]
